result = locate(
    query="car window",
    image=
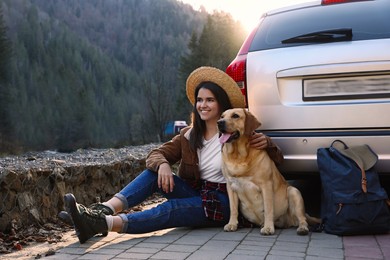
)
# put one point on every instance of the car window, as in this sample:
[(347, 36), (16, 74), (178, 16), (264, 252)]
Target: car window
[(368, 20)]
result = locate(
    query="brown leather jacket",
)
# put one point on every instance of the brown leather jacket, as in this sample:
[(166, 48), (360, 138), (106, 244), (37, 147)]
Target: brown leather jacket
[(178, 150)]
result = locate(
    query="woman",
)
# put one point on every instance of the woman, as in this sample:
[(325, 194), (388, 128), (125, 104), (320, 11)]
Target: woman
[(197, 195)]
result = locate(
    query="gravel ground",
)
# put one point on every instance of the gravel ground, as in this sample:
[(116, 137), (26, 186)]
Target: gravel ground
[(82, 156)]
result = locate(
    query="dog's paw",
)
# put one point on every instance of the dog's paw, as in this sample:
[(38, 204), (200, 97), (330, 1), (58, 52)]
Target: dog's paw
[(302, 230), (230, 227), (267, 231)]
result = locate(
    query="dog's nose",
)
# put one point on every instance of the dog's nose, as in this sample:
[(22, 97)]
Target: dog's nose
[(221, 124)]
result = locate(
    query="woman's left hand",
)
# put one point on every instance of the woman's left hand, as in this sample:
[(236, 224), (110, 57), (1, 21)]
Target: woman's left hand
[(258, 141)]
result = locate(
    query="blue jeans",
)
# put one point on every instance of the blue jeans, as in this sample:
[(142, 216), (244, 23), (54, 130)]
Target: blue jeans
[(183, 207)]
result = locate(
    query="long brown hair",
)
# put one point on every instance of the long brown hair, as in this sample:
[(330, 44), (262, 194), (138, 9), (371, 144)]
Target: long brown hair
[(198, 125)]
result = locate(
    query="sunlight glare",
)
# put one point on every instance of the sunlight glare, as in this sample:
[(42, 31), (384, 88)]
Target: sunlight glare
[(248, 12)]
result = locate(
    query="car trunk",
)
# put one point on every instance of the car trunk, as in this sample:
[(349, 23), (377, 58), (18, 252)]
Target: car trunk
[(319, 89)]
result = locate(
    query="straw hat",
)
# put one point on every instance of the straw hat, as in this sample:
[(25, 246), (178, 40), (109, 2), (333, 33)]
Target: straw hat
[(204, 74)]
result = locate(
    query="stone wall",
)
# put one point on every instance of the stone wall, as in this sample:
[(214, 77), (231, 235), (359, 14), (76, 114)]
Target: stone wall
[(33, 185)]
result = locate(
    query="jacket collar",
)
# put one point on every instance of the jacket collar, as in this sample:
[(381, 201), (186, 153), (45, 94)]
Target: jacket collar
[(187, 134)]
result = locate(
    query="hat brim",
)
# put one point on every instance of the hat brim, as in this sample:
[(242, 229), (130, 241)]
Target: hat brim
[(217, 76)]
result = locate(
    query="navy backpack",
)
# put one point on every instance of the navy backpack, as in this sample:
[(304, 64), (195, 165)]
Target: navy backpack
[(353, 201)]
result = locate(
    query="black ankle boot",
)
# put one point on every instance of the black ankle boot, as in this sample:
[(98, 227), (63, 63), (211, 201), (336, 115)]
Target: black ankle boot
[(67, 219), (87, 222)]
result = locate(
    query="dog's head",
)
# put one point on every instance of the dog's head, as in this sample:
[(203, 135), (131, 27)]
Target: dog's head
[(236, 122)]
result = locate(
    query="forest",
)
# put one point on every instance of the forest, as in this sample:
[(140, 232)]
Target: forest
[(102, 73)]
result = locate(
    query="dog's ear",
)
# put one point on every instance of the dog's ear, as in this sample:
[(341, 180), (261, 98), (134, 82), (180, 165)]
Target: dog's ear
[(251, 123)]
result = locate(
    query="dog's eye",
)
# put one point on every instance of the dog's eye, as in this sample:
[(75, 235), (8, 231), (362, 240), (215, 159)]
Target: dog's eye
[(235, 116)]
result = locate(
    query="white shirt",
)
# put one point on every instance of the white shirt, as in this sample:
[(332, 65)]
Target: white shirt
[(210, 159)]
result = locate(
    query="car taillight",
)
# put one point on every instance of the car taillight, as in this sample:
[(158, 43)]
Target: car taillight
[(331, 2), (237, 71), (237, 68)]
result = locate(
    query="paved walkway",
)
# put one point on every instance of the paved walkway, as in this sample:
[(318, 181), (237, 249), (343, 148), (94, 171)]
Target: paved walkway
[(215, 244)]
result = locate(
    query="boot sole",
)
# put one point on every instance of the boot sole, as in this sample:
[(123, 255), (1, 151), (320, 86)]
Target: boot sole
[(71, 208)]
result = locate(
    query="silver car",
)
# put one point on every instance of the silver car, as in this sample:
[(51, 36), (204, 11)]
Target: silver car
[(316, 72)]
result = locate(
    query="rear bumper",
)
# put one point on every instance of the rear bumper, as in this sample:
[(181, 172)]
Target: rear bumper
[(300, 147)]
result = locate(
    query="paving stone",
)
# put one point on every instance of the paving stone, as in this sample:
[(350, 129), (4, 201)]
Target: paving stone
[(203, 254), (121, 245), (260, 247), (218, 245), (74, 250), (181, 248), (168, 238), (247, 257), (329, 243), (290, 253), (293, 237), (215, 244), (192, 240), (283, 245), (364, 241), (152, 245), (128, 255), (260, 242), (324, 258), (96, 257), (106, 251), (130, 240), (59, 256), (363, 252), (235, 236), (325, 252), (324, 236), (245, 253), (386, 252), (170, 255), (383, 240), (141, 249), (204, 232), (279, 257)]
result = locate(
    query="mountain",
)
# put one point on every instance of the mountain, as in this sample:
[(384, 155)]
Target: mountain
[(96, 73)]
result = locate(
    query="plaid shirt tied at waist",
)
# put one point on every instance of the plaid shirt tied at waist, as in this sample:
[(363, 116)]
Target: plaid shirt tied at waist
[(211, 205)]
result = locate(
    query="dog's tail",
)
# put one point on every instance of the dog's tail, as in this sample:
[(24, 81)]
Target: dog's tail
[(312, 220)]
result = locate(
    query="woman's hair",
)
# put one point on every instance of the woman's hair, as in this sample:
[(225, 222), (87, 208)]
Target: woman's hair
[(198, 125)]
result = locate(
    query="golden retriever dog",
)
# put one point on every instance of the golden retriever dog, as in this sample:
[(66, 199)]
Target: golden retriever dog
[(254, 184)]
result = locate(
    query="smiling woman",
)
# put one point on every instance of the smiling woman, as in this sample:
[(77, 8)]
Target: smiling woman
[(247, 12)]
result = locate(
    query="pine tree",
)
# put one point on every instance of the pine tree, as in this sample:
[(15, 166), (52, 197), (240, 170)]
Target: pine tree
[(5, 51), (216, 46), (5, 58)]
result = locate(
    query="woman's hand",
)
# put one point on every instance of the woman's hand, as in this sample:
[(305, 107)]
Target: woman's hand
[(258, 141), (165, 178)]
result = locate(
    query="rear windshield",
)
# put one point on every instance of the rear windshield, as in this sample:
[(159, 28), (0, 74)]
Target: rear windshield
[(367, 19)]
